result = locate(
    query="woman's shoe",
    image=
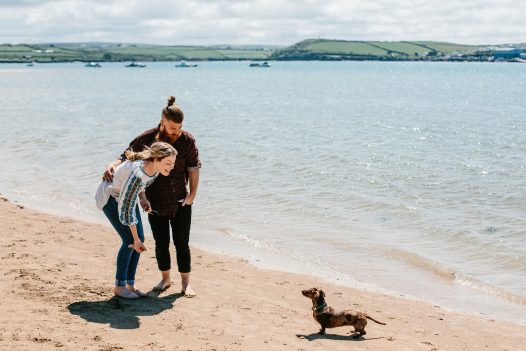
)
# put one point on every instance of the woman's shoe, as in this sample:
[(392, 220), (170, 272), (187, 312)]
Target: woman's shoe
[(139, 293), (126, 294)]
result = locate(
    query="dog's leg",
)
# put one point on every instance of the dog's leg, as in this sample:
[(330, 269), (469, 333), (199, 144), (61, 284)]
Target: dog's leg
[(359, 327)]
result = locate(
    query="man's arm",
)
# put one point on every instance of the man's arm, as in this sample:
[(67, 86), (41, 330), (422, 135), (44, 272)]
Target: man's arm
[(108, 173), (136, 144), (193, 181)]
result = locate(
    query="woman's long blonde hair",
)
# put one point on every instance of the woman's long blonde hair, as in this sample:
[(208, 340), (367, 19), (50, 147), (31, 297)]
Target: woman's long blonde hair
[(157, 151)]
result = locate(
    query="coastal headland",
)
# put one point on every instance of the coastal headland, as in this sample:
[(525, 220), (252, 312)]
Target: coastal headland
[(55, 282), (306, 50)]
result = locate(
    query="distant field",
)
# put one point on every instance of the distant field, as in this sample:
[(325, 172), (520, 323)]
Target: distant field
[(246, 54), (148, 50), (35, 53), (341, 49), (203, 54), (191, 53), (345, 47), (448, 47), (70, 52), (16, 48), (311, 49), (402, 48)]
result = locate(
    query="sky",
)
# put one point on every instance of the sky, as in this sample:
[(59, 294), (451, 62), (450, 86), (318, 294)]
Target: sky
[(261, 22)]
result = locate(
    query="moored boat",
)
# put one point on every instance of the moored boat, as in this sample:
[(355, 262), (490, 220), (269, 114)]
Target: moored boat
[(263, 64), (184, 64), (136, 64)]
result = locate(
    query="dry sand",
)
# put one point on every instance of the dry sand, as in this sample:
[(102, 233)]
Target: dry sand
[(56, 278)]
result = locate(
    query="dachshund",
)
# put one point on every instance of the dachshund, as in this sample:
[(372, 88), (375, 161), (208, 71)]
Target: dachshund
[(329, 318)]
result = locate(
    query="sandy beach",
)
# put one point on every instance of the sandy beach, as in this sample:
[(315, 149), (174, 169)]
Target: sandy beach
[(56, 286)]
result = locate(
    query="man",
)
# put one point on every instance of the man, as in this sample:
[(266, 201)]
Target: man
[(168, 200)]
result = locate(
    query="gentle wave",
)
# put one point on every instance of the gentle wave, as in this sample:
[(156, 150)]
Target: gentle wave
[(489, 289)]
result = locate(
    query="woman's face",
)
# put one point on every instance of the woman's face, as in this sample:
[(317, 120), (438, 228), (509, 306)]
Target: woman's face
[(165, 165)]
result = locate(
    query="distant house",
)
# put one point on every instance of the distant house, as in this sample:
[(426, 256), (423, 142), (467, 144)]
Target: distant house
[(456, 57), (507, 53)]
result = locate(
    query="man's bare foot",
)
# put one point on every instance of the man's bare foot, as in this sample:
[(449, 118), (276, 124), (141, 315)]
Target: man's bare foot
[(163, 285), (136, 291), (121, 291), (188, 292)]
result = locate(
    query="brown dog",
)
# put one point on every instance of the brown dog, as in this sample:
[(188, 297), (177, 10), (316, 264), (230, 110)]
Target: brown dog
[(328, 318)]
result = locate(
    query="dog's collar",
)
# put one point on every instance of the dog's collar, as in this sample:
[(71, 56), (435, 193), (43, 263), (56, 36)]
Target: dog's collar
[(320, 307)]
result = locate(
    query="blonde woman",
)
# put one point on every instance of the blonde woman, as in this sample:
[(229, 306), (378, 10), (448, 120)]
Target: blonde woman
[(118, 200)]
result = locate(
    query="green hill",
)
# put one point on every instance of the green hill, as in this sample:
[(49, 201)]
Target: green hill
[(323, 49)]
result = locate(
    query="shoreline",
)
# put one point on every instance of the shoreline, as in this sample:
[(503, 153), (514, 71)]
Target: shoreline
[(267, 260), (57, 275)]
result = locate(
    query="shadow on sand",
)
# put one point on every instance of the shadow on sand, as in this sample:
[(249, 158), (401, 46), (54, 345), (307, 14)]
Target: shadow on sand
[(121, 313), (352, 337)]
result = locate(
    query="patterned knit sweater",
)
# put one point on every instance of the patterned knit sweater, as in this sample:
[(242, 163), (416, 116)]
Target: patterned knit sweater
[(128, 181)]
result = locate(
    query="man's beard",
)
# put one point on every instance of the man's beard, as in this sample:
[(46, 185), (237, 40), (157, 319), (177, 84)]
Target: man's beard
[(167, 138)]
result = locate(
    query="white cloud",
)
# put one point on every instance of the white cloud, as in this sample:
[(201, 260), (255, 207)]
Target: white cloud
[(261, 21)]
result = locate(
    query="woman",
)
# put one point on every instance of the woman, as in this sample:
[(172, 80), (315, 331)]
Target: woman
[(118, 200)]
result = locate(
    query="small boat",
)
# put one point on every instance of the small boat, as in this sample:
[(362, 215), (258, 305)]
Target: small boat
[(92, 64), (264, 64), (183, 64), (30, 64), (135, 64)]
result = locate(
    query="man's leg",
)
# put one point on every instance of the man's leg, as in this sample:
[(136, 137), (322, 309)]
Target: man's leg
[(181, 235), (161, 234)]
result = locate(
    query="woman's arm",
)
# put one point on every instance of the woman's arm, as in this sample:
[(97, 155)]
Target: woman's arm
[(137, 243)]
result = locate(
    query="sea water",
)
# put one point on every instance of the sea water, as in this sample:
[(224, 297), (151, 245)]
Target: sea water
[(403, 178)]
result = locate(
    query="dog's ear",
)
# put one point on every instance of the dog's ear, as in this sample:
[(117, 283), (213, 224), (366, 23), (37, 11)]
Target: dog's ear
[(320, 297)]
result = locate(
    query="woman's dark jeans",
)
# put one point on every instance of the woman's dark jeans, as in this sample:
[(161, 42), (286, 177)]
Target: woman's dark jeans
[(127, 259)]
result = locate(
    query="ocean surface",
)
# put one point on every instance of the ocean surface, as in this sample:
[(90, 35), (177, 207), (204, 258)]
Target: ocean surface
[(403, 178)]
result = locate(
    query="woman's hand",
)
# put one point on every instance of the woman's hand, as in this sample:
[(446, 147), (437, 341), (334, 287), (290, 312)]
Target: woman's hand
[(137, 246)]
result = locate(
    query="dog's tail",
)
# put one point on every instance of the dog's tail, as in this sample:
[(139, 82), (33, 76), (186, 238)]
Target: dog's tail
[(374, 320)]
